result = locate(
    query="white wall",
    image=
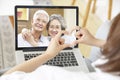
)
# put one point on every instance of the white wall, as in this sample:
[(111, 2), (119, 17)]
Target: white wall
[(7, 6), (102, 9), (70, 17)]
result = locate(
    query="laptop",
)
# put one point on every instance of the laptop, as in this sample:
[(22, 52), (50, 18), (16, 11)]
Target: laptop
[(69, 58)]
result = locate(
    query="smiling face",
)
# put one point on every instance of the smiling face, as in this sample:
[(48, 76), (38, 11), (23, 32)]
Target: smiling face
[(39, 22), (54, 27)]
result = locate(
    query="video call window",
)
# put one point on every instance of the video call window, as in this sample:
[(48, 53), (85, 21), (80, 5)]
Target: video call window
[(24, 18)]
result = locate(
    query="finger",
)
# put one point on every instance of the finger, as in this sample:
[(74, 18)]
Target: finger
[(24, 37), (76, 28), (75, 42), (65, 46), (61, 41), (78, 34), (60, 33)]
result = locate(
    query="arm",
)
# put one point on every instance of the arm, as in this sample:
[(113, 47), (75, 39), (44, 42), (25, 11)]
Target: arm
[(28, 37), (54, 48), (98, 43)]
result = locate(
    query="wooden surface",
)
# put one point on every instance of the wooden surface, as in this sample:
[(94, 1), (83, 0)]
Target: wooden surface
[(12, 20), (110, 9)]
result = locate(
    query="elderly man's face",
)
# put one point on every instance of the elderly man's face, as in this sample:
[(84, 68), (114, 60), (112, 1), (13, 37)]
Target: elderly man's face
[(39, 22)]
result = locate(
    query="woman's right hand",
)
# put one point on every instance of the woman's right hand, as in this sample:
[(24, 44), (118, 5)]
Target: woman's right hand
[(85, 37)]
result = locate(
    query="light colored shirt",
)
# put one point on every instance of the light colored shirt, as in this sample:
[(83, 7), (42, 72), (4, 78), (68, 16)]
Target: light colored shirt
[(57, 73), (43, 41)]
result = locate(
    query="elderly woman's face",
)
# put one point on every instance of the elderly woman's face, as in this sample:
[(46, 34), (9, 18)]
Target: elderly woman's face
[(54, 27)]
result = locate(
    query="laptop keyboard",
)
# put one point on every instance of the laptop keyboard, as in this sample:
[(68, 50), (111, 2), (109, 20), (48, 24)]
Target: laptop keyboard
[(63, 59), (29, 56)]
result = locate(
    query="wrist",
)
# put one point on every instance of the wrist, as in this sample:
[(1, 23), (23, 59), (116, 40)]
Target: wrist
[(50, 53), (99, 43)]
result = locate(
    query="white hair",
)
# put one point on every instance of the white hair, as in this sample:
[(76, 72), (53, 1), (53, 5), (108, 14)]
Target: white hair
[(41, 12)]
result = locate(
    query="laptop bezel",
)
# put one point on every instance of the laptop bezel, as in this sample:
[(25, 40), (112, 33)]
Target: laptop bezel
[(34, 6)]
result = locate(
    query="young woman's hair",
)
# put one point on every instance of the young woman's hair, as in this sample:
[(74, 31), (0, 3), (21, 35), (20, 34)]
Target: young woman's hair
[(111, 49), (59, 18)]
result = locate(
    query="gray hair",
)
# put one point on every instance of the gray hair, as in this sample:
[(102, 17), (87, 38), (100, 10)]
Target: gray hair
[(59, 18), (41, 12)]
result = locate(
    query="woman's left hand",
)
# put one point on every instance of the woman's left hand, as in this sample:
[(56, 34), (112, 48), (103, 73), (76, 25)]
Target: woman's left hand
[(57, 44)]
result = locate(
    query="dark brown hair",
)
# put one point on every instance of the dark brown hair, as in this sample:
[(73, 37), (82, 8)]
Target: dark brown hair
[(111, 49)]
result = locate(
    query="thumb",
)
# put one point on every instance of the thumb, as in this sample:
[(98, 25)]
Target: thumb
[(75, 42)]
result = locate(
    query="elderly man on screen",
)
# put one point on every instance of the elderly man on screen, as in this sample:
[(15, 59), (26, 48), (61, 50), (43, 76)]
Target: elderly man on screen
[(39, 22)]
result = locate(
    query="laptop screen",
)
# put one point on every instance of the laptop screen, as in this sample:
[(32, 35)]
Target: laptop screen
[(33, 31)]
